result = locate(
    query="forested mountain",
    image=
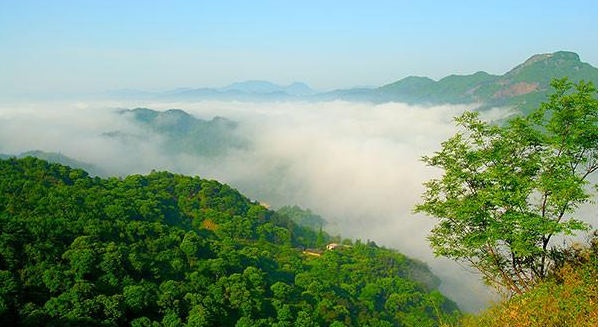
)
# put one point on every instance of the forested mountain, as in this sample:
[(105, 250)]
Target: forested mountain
[(173, 250), (182, 132), (524, 86)]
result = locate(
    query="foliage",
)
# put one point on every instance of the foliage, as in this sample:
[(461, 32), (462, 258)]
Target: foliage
[(507, 190), (76, 250), (569, 297)]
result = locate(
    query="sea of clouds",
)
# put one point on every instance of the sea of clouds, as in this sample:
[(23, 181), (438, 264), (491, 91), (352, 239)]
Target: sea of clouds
[(356, 164)]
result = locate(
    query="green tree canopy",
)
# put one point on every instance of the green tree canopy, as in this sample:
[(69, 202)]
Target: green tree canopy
[(507, 190), (173, 250)]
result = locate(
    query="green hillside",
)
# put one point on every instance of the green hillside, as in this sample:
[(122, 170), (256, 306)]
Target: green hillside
[(569, 297), (524, 86), (173, 250), (450, 89), (528, 84)]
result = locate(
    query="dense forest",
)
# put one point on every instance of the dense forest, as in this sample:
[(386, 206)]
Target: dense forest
[(173, 250)]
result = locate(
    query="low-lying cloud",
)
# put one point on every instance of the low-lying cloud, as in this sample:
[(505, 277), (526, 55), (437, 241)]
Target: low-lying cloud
[(356, 164)]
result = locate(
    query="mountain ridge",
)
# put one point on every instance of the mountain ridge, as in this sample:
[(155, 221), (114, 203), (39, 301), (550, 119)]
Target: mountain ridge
[(523, 86), (266, 87), (182, 131)]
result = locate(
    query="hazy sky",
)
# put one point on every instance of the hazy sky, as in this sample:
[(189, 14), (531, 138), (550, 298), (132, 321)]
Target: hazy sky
[(89, 46)]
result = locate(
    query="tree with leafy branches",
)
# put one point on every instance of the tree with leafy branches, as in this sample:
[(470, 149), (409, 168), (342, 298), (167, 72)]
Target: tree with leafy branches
[(506, 190)]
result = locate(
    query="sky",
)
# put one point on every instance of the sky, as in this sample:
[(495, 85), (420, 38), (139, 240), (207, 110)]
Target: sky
[(93, 46)]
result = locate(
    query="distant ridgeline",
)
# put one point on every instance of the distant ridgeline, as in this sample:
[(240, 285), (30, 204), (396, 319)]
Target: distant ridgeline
[(173, 250), (183, 132), (523, 87)]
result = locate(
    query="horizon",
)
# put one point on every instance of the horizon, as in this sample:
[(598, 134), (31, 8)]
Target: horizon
[(292, 83), (67, 47), (258, 80)]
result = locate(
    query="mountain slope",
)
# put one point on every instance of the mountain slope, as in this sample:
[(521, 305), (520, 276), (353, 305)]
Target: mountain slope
[(524, 86), (182, 132), (172, 250)]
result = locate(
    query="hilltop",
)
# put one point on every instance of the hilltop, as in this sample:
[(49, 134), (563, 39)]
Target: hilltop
[(181, 132)]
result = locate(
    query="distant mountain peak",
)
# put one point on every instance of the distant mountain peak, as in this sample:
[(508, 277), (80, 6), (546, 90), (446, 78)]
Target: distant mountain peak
[(182, 132), (566, 55), (408, 84), (177, 112), (560, 57), (266, 87), (299, 89), (417, 78), (523, 87), (252, 86), (298, 84)]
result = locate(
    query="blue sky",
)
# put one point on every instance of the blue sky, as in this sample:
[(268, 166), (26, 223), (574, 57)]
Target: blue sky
[(90, 46)]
